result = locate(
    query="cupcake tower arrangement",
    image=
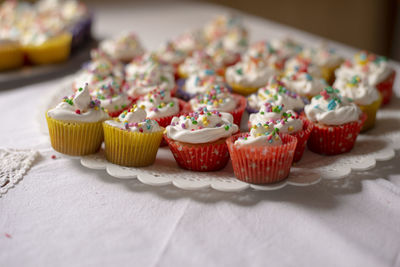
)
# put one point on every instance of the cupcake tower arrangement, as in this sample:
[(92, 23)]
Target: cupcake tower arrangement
[(41, 33), (191, 94)]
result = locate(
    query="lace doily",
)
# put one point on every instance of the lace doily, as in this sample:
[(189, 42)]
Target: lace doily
[(377, 145), (13, 166)]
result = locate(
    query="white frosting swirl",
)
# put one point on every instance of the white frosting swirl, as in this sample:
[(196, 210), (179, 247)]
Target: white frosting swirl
[(287, 47), (221, 56), (261, 135), (148, 74), (201, 127), (197, 62), (236, 40), (111, 97), (135, 120), (276, 93), (304, 84), (301, 64), (329, 108), (366, 65), (250, 73), (360, 91), (125, 47), (322, 56), (78, 108), (159, 104), (218, 98), (202, 81), (169, 53), (190, 41)]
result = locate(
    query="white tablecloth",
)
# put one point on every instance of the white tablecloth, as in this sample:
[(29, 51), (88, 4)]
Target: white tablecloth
[(62, 214)]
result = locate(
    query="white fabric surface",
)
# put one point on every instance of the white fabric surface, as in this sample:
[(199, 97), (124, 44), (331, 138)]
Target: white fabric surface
[(62, 214)]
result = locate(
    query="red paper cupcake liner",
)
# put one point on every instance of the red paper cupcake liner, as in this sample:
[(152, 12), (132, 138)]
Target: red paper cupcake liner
[(302, 138), (262, 165), (386, 88), (203, 158), (333, 140)]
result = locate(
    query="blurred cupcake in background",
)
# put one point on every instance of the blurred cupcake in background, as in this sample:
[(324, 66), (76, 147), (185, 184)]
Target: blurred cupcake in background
[(221, 26), (375, 69), (198, 83), (190, 41), (287, 47), (146, 74), (199, 61), (221, 56), (124, 47), (366, 96), (170, 54)]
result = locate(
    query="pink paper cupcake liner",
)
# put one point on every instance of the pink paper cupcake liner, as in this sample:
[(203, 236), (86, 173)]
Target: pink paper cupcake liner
[(333, 140), (386, 88), (262, 165), (199, 157)]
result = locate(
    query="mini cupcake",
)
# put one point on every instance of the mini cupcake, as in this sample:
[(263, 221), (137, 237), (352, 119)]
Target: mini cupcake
[(160, 106), (248, 75), (287, 47), (300, 81), (148, 73), (198, 83), (98, 73), (300, 63), (170, 54), (197, 141), (125, 47), (112, 98), (221, 26), (236, 40), (197, 62), (276, 93), (220, 99), (190, 41), (261, 156), (375, 69), (264, 50), (337, 123), (131, 139), (221, 56), (287, 121), (366, 96), (75, 124), (325, 58)]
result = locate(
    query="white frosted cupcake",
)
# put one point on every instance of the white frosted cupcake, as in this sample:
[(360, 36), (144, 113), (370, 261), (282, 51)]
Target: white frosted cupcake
[(124, 47), (147, 74), (303, 83), (190, 41), (199, 61)]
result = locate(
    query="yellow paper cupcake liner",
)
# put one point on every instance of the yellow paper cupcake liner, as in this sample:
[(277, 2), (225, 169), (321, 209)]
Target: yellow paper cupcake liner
[(11, 56), (75, 138), (371, 111), (55, 50), (242, 90), (131, 149)]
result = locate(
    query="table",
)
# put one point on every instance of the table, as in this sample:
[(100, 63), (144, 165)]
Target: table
[(62, 214)]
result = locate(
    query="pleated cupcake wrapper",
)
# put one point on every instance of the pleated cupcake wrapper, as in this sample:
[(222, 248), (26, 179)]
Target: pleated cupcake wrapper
[(386, 88), (75, 138), (370, 111), (131, 149), (302, 137), (333, 140), (242, 90), (182, 94), (205, 157), (262, 165)]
